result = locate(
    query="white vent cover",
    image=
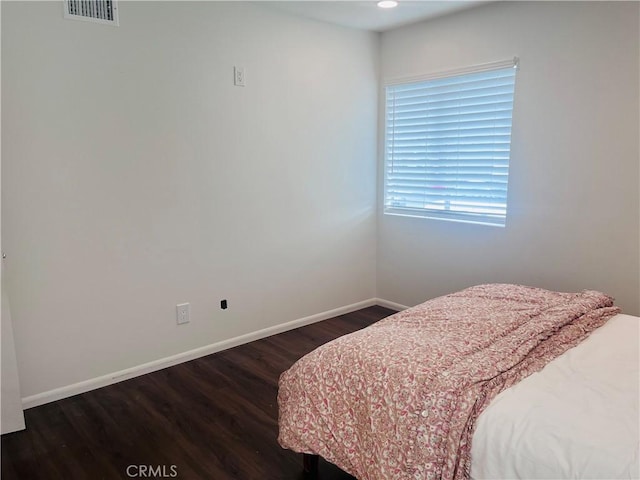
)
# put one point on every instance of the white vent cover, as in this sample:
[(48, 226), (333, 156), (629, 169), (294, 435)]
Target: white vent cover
[(97, 11)]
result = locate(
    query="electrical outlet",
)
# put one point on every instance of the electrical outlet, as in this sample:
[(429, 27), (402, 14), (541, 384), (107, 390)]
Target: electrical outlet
[(238, 76), (182, 313)]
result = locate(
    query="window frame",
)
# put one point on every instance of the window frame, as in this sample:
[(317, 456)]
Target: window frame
[(446, 215)]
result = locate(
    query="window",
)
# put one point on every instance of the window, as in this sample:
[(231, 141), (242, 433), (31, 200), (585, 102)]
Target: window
[(447, 144)]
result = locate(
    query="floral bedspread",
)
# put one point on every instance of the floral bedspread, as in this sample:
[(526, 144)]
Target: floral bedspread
[(399, 399)]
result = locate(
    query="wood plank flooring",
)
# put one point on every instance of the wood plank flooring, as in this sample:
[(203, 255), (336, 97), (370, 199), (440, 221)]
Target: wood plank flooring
[(211, 418)]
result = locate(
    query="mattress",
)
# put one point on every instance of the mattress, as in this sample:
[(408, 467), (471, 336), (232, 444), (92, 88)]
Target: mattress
[(576, 418)]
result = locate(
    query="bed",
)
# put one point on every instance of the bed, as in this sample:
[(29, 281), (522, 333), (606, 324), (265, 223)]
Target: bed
[(495, 381)]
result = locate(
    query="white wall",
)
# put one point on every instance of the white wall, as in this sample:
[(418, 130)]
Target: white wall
[(573, 211), (136, 176)]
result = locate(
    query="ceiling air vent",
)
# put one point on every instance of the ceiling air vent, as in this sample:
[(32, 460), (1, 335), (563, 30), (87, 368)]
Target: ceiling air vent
[(97, 11)]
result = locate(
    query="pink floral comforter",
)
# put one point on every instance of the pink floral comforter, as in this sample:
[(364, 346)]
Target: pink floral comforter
[(399, 399)]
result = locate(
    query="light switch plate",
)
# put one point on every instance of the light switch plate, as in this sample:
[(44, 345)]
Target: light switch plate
[(238, 76), (182, 313)]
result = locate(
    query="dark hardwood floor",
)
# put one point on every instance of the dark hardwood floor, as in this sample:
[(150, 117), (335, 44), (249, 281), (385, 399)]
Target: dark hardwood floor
[(211, 418)]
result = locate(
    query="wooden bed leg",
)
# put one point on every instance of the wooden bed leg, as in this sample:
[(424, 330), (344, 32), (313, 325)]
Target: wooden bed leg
[(310, 463)]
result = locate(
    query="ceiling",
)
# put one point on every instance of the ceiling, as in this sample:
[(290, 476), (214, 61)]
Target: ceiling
[(367, 15)]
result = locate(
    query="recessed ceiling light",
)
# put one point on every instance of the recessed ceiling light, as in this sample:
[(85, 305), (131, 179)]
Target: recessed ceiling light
[(387, 3)]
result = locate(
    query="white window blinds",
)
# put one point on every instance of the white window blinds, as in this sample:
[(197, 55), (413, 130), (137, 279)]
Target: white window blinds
[(447, 145)]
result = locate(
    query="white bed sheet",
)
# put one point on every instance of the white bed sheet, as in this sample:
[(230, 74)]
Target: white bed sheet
[(576, 418)]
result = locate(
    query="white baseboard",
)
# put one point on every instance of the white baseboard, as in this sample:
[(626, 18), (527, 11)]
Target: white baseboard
[(392, 305), (103, 381)]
